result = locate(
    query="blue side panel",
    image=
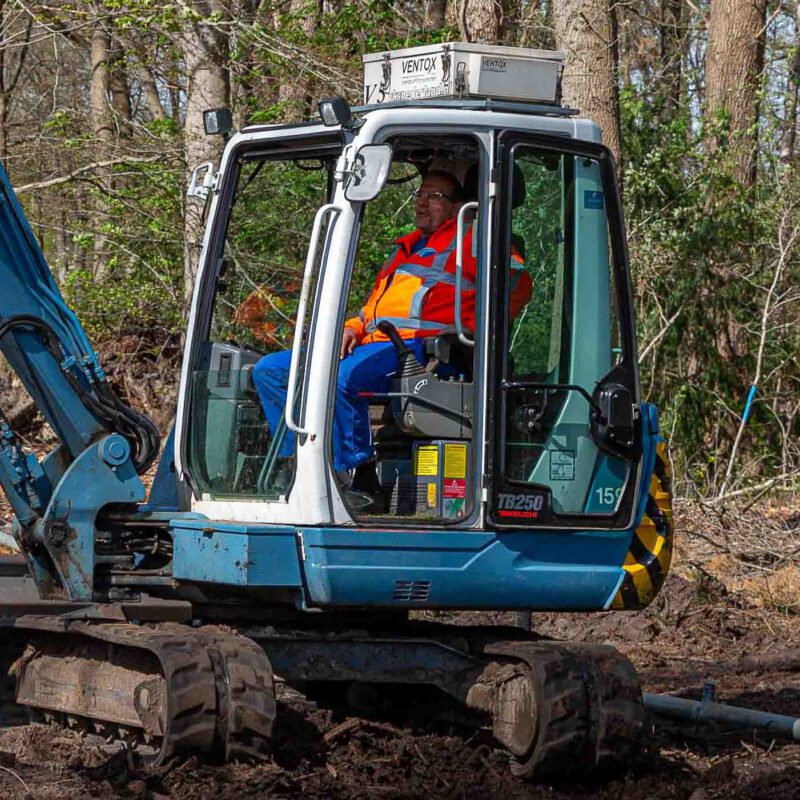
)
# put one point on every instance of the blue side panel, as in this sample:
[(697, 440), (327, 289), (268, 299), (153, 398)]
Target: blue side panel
[(608, 483), (650, 438), (235, 554), (458, 569), (649, 422)]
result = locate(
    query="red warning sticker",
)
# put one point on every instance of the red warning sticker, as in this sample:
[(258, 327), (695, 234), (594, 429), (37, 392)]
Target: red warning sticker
[(454, 487)]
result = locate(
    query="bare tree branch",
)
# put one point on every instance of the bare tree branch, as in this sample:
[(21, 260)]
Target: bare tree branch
[(87, 168)]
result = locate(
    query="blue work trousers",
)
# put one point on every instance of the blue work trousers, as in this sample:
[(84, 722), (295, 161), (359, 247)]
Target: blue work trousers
[(367, 369)]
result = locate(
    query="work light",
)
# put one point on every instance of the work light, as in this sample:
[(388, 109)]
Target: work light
[(334, 111)]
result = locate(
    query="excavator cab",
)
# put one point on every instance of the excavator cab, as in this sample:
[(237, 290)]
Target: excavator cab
[(541, 397), (512, 443)]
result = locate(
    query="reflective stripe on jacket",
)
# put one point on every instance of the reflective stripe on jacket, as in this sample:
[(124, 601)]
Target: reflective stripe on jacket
[(415, 291)]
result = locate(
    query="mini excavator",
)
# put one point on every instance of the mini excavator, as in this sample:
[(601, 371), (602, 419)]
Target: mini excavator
[(517, 469)]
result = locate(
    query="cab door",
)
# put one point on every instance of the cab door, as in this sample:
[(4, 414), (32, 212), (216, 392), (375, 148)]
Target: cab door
[(271, 233), (566, 438)]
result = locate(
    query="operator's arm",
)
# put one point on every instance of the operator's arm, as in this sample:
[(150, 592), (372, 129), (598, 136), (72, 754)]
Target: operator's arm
[(354, 328), (349, 341)]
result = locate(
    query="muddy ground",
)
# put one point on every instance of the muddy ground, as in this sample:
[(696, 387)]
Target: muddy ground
[(730, 601)]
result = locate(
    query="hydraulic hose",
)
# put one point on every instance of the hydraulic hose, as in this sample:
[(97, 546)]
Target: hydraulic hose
[(115, 415)]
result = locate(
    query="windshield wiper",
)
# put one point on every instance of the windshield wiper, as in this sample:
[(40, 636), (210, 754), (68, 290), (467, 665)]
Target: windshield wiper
[(252, 177)]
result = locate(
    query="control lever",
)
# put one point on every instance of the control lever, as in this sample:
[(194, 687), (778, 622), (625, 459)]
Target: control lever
[(409, 366)]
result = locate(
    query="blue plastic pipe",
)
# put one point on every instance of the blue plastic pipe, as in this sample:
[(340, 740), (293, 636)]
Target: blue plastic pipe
[(748, 406), (705, 711)]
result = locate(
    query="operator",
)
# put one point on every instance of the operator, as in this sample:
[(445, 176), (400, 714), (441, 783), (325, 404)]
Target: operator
[(415, 291)]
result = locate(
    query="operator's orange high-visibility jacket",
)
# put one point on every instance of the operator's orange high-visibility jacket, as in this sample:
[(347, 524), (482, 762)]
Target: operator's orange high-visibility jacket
[(415, 291)]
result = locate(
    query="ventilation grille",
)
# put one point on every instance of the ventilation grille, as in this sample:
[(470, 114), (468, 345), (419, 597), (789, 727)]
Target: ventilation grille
[(411, 591)]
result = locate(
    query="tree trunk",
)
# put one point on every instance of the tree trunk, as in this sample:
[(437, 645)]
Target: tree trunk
[(3, 90), (671, 52), (435, 13), (584, 31), (734, 63), (295, 90), (103, 129), (10, 73), (205, 54), (102, 118), (790, 133), (150, 95), (537, 26), (253, 85), (485, 20), (175, 91), (120, 91), (456, 17)]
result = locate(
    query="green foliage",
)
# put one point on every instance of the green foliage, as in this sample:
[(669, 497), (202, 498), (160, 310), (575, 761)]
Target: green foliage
[(122, 304), (163, 127), (703, 247), (140, 288), (702, 254), (265, 250)]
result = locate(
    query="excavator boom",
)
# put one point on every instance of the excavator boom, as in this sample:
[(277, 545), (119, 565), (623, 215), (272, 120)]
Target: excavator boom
[(43, 341)]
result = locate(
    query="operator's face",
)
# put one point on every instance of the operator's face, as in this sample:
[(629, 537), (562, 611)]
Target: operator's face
[(430, 209)]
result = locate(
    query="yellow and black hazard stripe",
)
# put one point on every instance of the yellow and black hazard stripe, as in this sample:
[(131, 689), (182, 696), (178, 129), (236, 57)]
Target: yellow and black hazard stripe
[(648, 559)]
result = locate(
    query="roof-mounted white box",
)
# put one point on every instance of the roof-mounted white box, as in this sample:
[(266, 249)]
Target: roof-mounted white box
[(461, 70)]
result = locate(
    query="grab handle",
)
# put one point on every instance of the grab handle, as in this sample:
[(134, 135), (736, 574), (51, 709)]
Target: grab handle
[(462, 337), (291, 389)]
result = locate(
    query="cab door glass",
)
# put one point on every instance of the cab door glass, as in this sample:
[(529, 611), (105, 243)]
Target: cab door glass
[(239, 445), (560, 339)]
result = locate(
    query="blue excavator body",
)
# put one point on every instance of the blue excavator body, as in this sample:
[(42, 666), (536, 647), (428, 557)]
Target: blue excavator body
[(518, 469), (57, 502)]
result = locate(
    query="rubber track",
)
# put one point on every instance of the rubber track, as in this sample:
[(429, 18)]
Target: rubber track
[(588, 704), (247, 713), (220, 688)]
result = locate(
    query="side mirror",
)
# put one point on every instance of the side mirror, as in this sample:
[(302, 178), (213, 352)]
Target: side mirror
[(368, 172), (614, 424)]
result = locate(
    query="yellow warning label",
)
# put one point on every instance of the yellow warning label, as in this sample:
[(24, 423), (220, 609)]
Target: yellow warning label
[(455, 461), (427, 460), (431, 495)]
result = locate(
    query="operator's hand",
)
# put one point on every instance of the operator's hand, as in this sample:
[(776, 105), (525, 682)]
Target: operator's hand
[(348, 342)]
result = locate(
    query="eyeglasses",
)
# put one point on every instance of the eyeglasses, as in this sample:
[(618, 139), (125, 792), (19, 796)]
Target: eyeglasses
[(436, 197)]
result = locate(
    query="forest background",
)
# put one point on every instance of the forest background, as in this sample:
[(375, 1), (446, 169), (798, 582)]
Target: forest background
[(101, 123)]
